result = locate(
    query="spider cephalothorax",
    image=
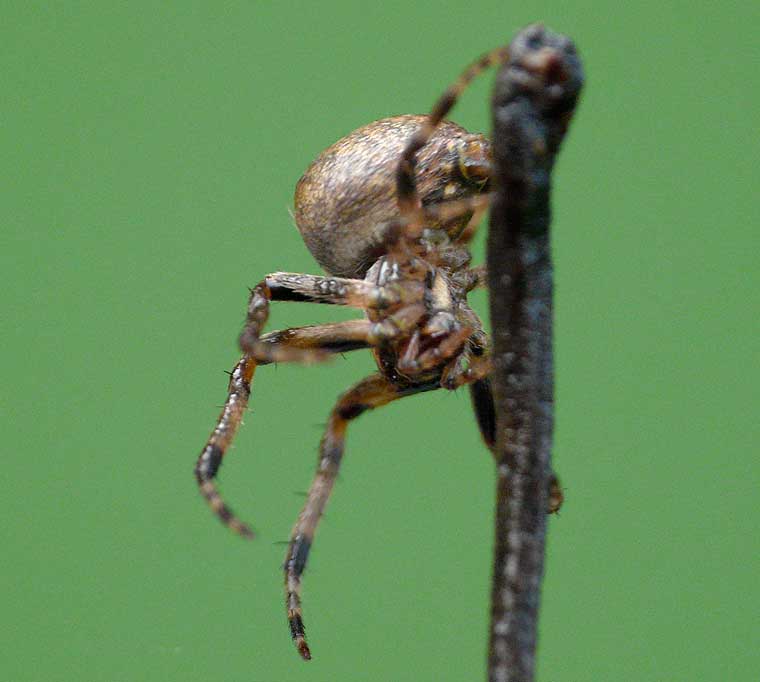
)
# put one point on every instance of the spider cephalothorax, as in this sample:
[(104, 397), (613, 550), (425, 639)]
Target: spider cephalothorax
[(388, 212)]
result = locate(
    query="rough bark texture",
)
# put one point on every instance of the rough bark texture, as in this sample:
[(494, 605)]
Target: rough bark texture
[(533, 100)]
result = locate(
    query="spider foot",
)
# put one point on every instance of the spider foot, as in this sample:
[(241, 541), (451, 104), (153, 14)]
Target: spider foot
[(222, 511), (303, 649), (297, 632)]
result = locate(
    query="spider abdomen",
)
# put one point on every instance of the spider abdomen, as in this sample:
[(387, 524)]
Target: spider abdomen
[(348, 193)]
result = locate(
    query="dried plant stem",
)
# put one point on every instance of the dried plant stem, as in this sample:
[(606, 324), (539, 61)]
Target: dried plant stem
[(534, 97)]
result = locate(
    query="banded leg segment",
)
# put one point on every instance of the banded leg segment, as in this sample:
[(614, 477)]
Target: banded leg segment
[(321, 340), (357, 293), (340, 337), (337, 337), (226, 426), (372, 392), (284, 286)]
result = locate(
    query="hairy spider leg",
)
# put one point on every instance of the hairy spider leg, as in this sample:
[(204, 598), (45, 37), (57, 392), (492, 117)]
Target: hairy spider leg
[(334, 337), (409, 204), (288, 286), (301, 344), (373, 391), (210, 459), (357, 293)]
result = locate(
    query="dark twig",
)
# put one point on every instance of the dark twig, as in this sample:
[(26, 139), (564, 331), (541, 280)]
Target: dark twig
[(534, 98)]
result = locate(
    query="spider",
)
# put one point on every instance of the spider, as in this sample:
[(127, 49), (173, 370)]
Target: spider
[(388, 212)]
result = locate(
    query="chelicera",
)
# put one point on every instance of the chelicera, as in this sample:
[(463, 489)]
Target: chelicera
[(388, 212)]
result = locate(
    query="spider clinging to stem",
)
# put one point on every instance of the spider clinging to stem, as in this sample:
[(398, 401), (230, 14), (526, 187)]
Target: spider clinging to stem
[(388, 212)]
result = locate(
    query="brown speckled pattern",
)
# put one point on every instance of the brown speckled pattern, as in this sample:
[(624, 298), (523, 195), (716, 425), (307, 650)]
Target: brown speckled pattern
[(349, 190)]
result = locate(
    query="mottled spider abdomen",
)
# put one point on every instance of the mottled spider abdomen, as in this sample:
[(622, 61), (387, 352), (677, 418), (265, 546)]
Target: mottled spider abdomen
[(349, 192)]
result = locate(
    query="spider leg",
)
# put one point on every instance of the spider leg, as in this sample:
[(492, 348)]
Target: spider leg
[(323, 339), (357, 293), (336, 337), (481, 395), (210, 459), (285, 286), (372, 392), (472, 367), (392, 232), (340, 337), (406, 187)]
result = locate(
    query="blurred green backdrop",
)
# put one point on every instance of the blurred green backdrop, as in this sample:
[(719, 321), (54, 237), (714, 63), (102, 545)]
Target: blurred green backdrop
[(149, 154)]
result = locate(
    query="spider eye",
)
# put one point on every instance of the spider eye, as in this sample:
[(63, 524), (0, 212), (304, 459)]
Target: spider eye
[(475, 161)]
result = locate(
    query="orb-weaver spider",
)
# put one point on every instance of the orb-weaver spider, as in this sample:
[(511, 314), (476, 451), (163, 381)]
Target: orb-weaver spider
[(388, 212)]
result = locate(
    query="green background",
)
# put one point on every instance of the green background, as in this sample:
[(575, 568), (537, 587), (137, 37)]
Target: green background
[(149, 154)]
